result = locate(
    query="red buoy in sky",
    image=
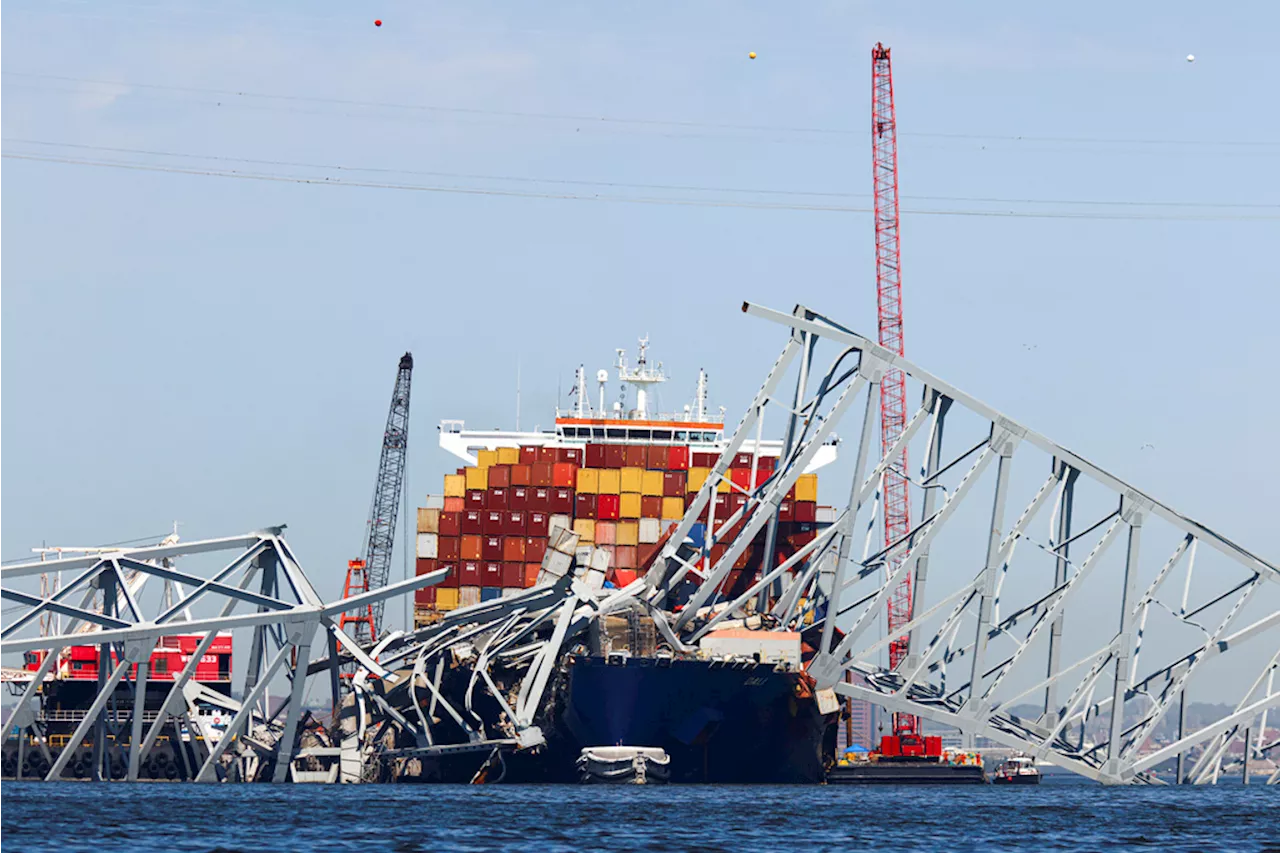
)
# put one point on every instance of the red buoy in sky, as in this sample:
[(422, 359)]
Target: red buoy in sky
[(378, 22)]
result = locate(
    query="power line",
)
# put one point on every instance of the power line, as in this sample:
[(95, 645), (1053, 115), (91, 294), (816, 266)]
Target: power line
[(720, 203)]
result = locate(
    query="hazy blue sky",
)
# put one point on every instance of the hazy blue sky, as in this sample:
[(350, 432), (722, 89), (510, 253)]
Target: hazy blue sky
[(221, 351)]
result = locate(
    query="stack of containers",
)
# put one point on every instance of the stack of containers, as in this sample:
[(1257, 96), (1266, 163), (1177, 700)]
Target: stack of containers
[(492, 524)]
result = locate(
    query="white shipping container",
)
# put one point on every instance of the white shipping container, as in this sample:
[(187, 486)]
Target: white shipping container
[(826, 515), (428, 546), (434, 502), (508, 592), (564, 522), (650, 530)]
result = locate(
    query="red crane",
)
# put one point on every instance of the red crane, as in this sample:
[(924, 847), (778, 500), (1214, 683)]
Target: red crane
[(893, 388)]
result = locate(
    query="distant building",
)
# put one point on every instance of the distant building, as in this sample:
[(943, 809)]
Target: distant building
[(861, 726)]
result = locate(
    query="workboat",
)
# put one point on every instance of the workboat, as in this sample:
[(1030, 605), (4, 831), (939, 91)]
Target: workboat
[(1017, 769), (740, 706)]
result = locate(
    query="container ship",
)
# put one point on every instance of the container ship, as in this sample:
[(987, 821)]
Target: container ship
[(621, 480)]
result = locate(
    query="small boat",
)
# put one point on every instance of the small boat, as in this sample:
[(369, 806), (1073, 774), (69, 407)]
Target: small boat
[(624, 765), (1017, 769)]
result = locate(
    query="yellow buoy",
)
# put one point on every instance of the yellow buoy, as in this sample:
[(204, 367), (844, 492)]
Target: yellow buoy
[(751, 55)]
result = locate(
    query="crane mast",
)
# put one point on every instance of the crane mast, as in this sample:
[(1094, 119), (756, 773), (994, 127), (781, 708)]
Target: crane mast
[(374, 570), (893, 388)]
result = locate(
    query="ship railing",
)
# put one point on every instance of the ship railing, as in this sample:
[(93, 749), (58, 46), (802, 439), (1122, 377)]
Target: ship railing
[(120, 715)]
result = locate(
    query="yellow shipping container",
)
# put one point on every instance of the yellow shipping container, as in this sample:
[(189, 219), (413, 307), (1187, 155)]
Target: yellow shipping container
[(672, 509), (508, 456), (629, 507), (697, 477), (632, 479), (488, 458), (628, 531), (724, 486), (446, 599), (455, 485), (586, 530), (477, 478), (588, 481), (610, 481), (807, 487), (651, 484)]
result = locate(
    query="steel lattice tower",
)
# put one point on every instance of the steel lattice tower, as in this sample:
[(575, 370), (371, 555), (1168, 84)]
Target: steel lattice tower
[(897, 502), (386, 493)]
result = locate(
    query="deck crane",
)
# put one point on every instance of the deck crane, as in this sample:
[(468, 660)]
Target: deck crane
[(893, 388), (374, 570)]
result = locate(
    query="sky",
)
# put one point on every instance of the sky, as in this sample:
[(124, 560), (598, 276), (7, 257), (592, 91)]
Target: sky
[(223, 223)]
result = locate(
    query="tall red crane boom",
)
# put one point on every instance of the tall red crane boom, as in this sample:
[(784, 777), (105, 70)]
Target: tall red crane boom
[(893, 388)]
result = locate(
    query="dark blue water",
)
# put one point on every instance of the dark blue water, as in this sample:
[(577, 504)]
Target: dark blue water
[(1061, 814)]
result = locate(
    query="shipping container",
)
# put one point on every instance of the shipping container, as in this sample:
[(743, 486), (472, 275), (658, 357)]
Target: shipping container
[(428, 546), (614, 456), (806, 511), (496, 499), (434, 502), (563, 521), (767, 463), (585, 506), (513, 548), (607, 507), (806, 488), (651, 483), (428, 521), (548, 454), (656, 457), (513, 522), (472, 522), (608, 549), (471, 547), (702, 459), (491, 522), (450, 523), (610, 481), (475, 498), (723, 487), (826, 515), (490, 593), (531, 574), (477, 478), (486, 458), (741, 477), (468, 596), (491, 547), (521, 475), (513, 574), (537, 523), (425, 566), (470, 573), (449, 548), (595, 456), (528, 455), (564, 475), (678, 459), (542, 474), (500, 477), (631, 479), (623, 578), (518, 497), (651, 507), (569, 454), (672, 509), (491, 573), (628, 533), (561, 501), (534, 548), (629, 505), (624, 556), (606, 533), (742, 460), (586, 529), (540, 498), (588, 481), (447, 599), (787, 511), (633, 456), (454, 504), (425, 597), (451, 579), (673, 483), (648, 531), (697, 477), (645, 554), (455, 485)]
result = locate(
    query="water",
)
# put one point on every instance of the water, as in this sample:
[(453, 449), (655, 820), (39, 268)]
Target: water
[(1061, 814)]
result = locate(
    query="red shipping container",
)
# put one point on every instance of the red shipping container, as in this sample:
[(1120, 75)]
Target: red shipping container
[(539, 498), (595, 456), (806, 511), (742, 460), (689, 499), (787, 511), (518, 497), (673, 483), (499, 476), (736, 502), (614, 456), (570, 454), (747, 559), (740, 477), (491, 522), (472, 522), (450, 580), (607, 507), (767, 463), (650, 507), (496, 499), (425, 566), (513, 522), (645, 554), (535, 548), (491, 573), (762, 476), (425, 597), (722, 507), (543, 473), (624, 556), (548, 454), (513, 575), (472, 547), (531, 574), (520, 475), (585, 506), (469, 573), (450, 524), (564, 475), (454, 504), (678, 459), (561, 502), (634, 456), (449, 548), (491, 549), (606, 533), (799, 540), (528, 455), (538, 523), (705, 460), (513, 548), (656, 457), (622, 577), (475, 498)]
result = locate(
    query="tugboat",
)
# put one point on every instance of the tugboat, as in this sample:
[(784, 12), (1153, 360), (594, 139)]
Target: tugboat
[(1017, 769)]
